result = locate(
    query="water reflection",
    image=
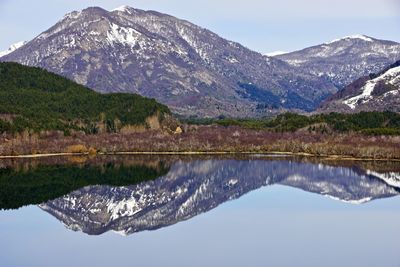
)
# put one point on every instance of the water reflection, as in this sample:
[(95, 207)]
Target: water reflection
[(27, 183), (188, 187)]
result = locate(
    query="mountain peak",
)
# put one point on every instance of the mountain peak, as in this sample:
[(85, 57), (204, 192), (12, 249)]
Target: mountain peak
[(90, 10), (194, 71), (344, 60), (123, 8), (94, 8), (352, 37)]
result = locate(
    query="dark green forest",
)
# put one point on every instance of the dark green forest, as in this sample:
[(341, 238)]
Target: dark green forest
[(19, 188), (370, 123), (35, 99)]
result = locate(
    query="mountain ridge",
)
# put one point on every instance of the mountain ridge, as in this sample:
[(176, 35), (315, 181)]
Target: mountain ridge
[(190, 68), (377, 91), (342, 61), (193, 70)]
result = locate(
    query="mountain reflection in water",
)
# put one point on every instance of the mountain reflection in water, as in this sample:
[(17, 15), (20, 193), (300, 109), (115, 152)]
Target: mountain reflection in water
[(191, 186)]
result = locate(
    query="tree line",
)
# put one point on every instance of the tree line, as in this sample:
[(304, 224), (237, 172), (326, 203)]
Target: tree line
[(40, 100)]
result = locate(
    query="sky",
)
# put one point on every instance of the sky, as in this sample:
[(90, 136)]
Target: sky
[(261, 25)]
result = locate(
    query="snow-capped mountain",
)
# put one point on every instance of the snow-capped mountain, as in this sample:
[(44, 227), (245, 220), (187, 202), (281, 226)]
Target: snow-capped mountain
[(12, 48), (275, 53), (192, 188), (192, 70), (344, 60), (379, 92)]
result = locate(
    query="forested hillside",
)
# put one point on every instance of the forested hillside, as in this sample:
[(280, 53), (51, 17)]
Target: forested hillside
[(35, 99)]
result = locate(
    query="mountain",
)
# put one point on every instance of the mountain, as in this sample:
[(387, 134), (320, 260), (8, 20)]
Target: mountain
[(12, 48), (190, 69), (195, 187), (377, 92), (344, 60), (275, 53), (35, 99)]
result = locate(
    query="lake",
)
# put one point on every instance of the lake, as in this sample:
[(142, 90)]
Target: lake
[(257, 210)]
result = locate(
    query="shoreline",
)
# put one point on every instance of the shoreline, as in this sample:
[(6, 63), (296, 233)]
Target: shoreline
[(192, 153), (204, 140)]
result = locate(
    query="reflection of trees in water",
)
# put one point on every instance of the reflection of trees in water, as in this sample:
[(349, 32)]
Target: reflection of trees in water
[(33, 182)]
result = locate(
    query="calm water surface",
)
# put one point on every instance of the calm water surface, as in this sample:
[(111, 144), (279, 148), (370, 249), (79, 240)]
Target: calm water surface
[(169, 211)]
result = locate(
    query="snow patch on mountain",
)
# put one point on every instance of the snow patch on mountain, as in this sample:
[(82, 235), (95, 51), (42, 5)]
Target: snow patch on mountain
[(392, 76), (365, 96), (123, 8), (12, 48), (122, 35), (353, 202), (275, 53), (356, 36), (126, 207), (72, 15), (391, 178)]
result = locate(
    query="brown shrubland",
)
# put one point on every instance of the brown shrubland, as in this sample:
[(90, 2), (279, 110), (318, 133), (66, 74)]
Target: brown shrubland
[(205, 139)]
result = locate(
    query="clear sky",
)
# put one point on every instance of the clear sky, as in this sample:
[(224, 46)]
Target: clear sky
[(262, 25)]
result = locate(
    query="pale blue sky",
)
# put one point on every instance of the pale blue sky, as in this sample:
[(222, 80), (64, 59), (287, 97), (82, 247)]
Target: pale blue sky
[(262, 25)]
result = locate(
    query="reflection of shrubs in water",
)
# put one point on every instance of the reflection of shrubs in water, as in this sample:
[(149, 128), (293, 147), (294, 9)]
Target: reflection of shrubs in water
[(27, 186), (77, 149)]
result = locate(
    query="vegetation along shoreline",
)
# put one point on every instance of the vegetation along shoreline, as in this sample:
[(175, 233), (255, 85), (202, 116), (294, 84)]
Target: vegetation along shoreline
[(42, 113)]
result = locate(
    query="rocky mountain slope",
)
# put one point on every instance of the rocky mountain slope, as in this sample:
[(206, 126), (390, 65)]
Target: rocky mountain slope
[(192, 188), (12, 48), (378, 92), (192, 70), (344, 60)]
